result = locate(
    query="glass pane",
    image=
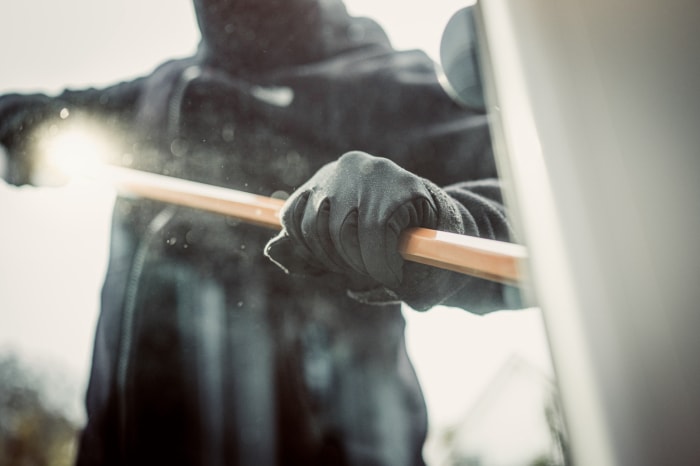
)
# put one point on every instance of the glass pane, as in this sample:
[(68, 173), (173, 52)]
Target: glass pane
[(487, 381)]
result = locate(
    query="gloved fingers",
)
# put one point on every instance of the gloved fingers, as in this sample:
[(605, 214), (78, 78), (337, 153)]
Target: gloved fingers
[(379, 250), (380, 242), (292, 213), (305, 219), (346, 240), (287, 255), (292, 217), (348, 217), (317, 235)]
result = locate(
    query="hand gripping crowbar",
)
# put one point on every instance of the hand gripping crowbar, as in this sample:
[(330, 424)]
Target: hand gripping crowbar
[(490, 259)]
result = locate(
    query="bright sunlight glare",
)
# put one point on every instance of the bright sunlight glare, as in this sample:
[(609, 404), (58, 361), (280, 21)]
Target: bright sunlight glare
[(76, 151)]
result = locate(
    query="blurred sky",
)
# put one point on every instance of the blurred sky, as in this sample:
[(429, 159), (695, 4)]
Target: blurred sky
[(53, 241)]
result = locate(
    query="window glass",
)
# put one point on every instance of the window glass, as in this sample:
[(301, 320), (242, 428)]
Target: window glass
[(487, 380)]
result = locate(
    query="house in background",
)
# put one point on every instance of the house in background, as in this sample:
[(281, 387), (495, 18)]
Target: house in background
[(515, 422)]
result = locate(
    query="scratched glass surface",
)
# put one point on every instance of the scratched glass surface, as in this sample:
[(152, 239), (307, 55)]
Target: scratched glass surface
[(487, 381)]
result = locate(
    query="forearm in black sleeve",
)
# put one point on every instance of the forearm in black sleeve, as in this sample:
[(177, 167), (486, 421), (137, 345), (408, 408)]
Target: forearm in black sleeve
[(482, 203), (477, 210), (21, 115)]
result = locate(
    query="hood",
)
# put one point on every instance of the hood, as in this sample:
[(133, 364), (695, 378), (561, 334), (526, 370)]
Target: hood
[(246, 37)]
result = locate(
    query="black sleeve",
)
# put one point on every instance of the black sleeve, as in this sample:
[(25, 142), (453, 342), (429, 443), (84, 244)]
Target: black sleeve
[(472, 208), (483, 215), (23, 116), (396, 108)]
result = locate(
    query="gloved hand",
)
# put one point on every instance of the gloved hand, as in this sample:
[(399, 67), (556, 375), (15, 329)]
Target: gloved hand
[(348, 218), (19, 113), (19, 116)]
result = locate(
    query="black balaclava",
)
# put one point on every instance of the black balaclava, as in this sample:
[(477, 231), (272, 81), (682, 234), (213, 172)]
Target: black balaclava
[(246, 37)]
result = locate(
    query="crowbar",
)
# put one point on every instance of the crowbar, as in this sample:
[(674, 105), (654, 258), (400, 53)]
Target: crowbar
[(484, 258)]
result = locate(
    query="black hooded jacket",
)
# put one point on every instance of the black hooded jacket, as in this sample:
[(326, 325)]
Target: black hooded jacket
[(205, 351)]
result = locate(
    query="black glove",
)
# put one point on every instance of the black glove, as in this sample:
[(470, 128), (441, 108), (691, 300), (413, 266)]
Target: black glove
[(348, 218), (20, 113), (19, 116)]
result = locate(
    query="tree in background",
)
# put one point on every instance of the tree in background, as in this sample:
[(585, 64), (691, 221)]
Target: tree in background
[(31, 432)]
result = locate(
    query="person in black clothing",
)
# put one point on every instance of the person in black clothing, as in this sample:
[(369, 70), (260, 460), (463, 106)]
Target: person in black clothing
[(221, 343)]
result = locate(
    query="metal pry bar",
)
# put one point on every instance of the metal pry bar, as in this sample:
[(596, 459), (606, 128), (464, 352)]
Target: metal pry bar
[(493, 260)]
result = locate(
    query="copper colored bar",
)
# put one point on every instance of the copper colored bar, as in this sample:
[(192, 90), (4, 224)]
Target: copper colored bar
[(493, 260)]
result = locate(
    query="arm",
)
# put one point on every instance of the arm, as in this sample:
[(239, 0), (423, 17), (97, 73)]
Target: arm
[(484, 215), (25, 118), (348, 217)]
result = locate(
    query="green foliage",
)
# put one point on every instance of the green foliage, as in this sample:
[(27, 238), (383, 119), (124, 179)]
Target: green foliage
[(31, 433)]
